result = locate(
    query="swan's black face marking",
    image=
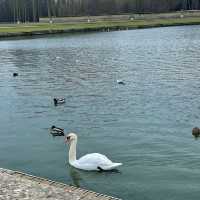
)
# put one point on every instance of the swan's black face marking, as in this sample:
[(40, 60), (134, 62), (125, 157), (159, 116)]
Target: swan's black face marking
[(67, 139), (100, 169), (70, 138)]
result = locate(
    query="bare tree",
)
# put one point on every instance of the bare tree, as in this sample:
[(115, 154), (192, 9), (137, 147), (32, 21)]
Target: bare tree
[(29, 10)]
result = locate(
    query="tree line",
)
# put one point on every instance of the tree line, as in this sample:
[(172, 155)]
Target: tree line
[(31, 10)]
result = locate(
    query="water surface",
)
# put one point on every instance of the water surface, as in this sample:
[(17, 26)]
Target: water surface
[(146, 123)]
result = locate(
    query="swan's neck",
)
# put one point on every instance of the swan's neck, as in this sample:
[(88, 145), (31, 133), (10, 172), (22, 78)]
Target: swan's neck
[(72, 151)]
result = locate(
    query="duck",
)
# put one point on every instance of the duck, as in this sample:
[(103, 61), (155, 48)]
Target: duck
[(120, 82), (88, 162), (15, 74), (196, 132), (55, 131), (58, 101)]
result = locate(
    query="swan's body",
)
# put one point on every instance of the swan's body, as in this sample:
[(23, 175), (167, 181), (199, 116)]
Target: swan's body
[(94, 161), (89, 162)]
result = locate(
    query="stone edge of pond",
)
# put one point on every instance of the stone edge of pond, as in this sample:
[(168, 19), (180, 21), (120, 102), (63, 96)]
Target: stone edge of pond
[(82, 193)]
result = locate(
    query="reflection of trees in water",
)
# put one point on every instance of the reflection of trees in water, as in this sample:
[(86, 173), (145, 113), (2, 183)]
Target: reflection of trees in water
[(22, 58), (47, 69), (29, 65), (37, 68)]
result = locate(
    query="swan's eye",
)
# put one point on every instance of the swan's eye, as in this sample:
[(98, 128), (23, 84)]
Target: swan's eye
[(68, 137)]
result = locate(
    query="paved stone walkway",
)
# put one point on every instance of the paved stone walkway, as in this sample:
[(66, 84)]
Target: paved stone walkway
[(19, 186)]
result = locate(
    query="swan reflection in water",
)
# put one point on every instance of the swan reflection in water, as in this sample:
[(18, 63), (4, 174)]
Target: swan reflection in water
[(79, 177), (75, 176)]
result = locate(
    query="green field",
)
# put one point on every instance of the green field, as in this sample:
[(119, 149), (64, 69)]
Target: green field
[(46, 28)]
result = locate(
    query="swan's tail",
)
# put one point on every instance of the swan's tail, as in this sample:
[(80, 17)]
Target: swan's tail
[(111, 166)]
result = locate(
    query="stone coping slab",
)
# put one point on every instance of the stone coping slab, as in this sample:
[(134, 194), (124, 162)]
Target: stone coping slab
[(16, 185)]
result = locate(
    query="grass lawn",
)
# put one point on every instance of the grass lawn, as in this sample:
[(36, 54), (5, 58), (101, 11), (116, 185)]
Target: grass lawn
[(44, 28)]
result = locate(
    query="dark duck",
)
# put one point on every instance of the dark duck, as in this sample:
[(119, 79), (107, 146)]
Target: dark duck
[(58, 101), (121, 82), (15, 74), (55, 131)]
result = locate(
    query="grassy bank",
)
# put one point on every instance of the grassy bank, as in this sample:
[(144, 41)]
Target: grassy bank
[(7, 30)]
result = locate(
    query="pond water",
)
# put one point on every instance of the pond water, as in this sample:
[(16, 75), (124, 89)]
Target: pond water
[(145, 124)]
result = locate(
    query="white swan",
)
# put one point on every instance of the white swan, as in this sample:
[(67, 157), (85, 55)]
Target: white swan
[(89, 162)]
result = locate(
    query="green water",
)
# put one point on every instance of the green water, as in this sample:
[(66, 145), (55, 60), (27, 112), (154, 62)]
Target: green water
[(145, 124)]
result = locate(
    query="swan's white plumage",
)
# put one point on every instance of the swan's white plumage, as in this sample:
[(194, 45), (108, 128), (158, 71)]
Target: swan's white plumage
[(93, 161)]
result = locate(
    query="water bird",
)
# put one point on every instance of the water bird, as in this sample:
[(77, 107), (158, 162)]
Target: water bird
[(120, 82), (55, 131), (196, 132), (89, 162), (58, 101), (15, 74)]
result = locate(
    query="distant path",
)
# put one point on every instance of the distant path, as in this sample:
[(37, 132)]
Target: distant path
[(17, 185), (125, 17)]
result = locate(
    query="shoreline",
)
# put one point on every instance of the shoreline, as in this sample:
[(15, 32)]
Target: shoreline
[(19, 185), (97, 24)]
